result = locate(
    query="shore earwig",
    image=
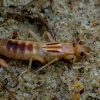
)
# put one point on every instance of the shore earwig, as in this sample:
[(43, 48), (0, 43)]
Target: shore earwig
[(43, 52)]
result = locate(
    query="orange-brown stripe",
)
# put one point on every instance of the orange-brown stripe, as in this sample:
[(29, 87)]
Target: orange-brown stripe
[(30, 47), (22, 46), (52, 43), (52, 47), (14, 45), (9, 44), (53, 51)]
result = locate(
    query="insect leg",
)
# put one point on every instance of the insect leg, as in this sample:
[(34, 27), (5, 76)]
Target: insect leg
[(3, 63), (34, 35), (34, 57), (69, 57), (56, 59), (48, 35), (95, 36), (20, 37), (26, 35)]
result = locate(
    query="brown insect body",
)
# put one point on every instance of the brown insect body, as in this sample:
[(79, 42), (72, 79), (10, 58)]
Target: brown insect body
[(23, 50)]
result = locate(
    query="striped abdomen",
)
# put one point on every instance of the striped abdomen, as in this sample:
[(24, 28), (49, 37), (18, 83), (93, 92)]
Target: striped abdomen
[(17, 49)]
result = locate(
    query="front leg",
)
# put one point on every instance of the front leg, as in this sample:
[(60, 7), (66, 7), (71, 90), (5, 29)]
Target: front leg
[(69, 57)]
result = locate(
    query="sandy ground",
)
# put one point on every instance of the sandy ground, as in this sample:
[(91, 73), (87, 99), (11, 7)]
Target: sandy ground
[(61, 80)]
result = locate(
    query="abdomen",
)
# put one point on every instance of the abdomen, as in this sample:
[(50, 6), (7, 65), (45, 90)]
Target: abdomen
[(18, 49)]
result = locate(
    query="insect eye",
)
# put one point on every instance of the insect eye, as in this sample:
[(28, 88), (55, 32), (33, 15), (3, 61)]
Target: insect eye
[(82, 53)]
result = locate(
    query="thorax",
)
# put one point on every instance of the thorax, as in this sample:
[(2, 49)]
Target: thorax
[(58, 49)]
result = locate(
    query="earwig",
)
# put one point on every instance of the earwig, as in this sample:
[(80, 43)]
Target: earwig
[(43, 52)]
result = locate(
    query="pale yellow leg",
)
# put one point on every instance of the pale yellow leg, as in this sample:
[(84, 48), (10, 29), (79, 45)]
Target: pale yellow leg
[(95, 36), (48, 35), (34, 35), (43, 36), (3, 63), (69, 57), (56, 59), (20, 37), (35, 57), (26, 34)]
